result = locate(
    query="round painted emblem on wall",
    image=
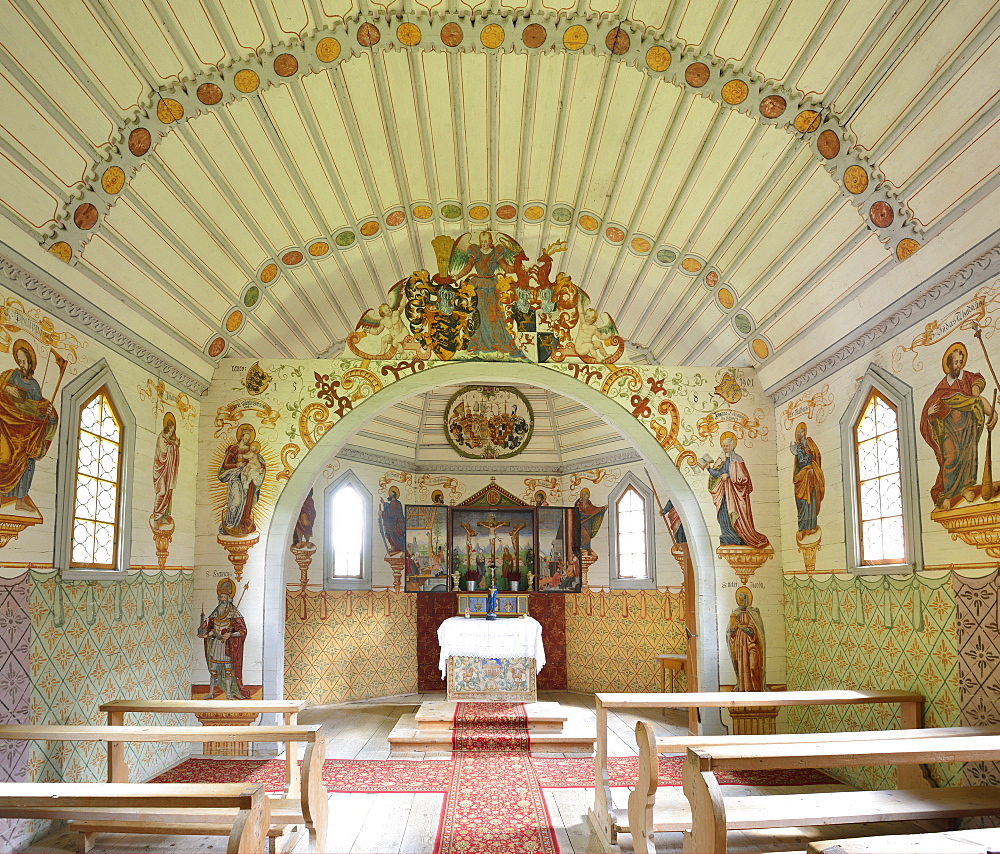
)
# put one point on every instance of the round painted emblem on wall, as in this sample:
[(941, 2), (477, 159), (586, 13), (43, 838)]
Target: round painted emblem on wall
[(488, 422)]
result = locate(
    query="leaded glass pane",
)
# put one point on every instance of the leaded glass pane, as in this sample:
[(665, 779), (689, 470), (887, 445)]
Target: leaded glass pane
[(866, 427), (87, 455), (871, 500), (867, 460), (632, 566), (90, 416), (892, 497), (108, 461)]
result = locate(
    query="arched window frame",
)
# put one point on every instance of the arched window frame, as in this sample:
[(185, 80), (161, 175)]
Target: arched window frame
[(630, 481), (900, 396), (75, 396), (335, 582)]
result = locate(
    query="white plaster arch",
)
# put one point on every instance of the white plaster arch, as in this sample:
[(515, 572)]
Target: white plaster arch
[(670, 480)]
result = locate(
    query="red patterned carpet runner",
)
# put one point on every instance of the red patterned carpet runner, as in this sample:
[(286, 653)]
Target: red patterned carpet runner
[(494, 804), (378, 776)]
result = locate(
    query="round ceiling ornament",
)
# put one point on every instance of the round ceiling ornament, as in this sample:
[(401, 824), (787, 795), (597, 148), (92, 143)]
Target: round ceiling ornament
[(488, 422)]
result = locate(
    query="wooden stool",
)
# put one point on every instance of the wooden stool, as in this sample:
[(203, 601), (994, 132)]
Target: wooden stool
[(675, 663)]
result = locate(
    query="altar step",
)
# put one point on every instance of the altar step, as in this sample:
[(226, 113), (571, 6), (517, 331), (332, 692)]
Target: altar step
[(431, 729)]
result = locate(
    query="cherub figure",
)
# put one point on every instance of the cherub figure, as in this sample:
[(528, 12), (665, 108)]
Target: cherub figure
[(588, 342)]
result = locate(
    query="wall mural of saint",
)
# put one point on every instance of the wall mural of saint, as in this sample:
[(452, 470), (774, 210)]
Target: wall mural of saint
[(27, 426), (591, 518), (224, 632), (952, 423), (242, 471), (166, 460), (730, 485), (808, 481), (745, 638)]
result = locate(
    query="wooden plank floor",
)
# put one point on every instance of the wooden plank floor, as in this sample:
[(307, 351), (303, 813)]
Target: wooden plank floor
[(408, 823)]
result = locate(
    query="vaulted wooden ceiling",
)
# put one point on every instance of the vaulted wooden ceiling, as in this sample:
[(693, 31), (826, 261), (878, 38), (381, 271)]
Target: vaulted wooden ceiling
[(254, 175)]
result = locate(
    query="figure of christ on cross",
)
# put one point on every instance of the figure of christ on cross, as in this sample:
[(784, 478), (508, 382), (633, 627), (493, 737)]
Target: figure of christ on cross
[(492, 525)]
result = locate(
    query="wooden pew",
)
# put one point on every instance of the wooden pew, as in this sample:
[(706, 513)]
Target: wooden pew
[(242, 807), (288, 709), (648, 815), (712, 814), (608, 822), (310, 807), (979, 841)]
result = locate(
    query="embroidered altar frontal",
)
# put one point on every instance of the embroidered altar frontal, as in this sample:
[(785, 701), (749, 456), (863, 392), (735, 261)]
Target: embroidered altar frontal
[(499, 680)]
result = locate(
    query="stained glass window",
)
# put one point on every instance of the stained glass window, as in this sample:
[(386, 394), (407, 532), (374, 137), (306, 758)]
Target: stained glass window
[(98, 484), (630, 510), (880, 497), (347, 530)]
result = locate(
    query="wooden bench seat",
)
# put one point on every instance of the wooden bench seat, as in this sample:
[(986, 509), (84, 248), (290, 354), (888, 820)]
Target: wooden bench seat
[(288, 709), (308, 806), (671, 812), (712, 814), (241, 807), (608, 821), (980, 841)]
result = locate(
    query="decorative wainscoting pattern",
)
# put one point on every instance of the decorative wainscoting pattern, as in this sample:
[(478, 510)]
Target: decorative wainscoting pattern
[(15, 690), (870, 633), (68, 647), (977, 605), (612, 636), (349, 645)]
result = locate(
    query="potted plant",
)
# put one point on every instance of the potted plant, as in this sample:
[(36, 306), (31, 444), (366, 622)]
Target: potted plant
[(471, 577), (513, 576)]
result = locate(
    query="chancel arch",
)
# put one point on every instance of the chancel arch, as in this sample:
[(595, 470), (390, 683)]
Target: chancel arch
[(668, 481)]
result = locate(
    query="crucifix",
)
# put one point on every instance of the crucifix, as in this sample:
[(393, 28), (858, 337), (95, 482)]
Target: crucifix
[(492, 525)]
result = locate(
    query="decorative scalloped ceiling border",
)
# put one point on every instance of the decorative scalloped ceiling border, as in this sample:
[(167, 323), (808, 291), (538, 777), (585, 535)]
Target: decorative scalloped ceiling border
[(975, 267), (46, 292), (660, 56)]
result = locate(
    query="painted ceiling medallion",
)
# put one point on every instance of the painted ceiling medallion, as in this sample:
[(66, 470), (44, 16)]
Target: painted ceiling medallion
[(488, 422)]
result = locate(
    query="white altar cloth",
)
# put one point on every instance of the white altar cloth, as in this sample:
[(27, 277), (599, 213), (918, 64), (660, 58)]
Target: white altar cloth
[(507, 637)]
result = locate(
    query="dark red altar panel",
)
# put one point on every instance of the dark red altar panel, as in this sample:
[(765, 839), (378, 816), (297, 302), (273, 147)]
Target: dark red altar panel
[(548, 608)]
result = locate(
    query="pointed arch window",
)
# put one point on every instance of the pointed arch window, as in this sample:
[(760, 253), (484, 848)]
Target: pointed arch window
[(631, 535), (93, 478), (879, 493), (880, 477), (98, 489), (348, 549)]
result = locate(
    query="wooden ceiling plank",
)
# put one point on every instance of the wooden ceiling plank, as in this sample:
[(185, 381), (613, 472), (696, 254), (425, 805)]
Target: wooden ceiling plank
[(982, 39), (197, 263), (348, 115), (392, 135), (177, 34), (830, 263), (308, 198), (268, 250), (762, 39), (333, 176), (265, 12), (593, 147), (492, 134), (819, 33), (458, 121), (672, 129), (711, 205), (46, 106), (937, 170), (240, 143), (570, 64), (693, 171), (169, 291), (804, 237), (863, 50), (664, 151), (36, 208), (426, 142), (717, 24), (68, 55), (527, 130), (731, 267)]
